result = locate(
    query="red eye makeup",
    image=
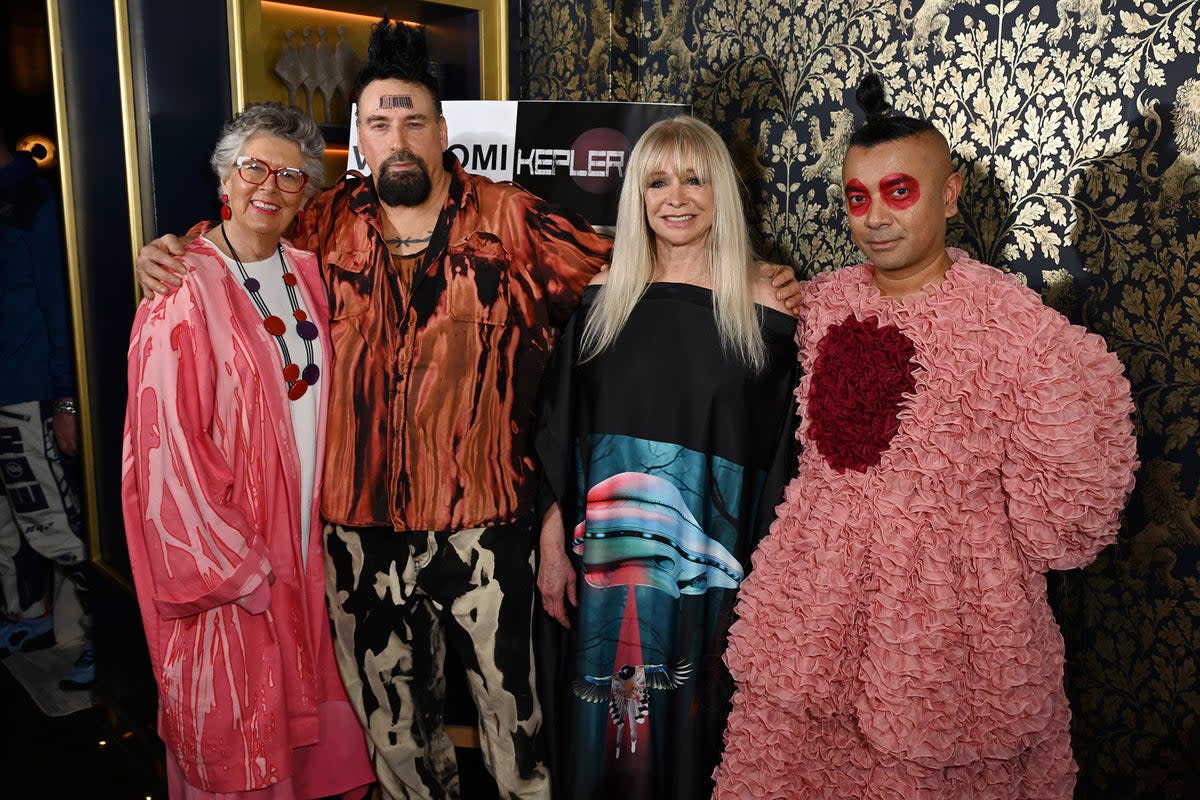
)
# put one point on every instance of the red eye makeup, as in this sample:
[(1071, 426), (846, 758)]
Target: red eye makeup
[(900, 190), (858, 199)]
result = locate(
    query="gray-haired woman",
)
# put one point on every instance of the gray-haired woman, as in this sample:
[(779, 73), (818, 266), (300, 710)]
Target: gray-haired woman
[(222, 465)]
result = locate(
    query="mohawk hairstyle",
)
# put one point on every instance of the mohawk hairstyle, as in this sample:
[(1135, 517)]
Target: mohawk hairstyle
[(883, 125), (397, 51)]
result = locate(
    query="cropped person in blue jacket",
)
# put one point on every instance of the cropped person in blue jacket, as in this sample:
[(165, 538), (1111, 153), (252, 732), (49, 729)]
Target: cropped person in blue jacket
[(39, 512)]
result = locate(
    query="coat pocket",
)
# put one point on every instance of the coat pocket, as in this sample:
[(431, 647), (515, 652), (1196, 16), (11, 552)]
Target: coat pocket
[(477, 280), (350, 282)]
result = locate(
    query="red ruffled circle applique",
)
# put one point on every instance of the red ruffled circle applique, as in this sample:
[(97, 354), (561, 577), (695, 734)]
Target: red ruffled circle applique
[(859, 379)]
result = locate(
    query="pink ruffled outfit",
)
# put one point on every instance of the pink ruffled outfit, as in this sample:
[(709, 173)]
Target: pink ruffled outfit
[(894, 638)]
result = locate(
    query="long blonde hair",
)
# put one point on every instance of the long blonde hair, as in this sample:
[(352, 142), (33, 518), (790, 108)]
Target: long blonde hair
[(681, 144)]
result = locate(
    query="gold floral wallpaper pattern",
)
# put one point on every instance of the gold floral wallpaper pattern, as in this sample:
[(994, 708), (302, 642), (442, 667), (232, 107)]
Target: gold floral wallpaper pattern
[(1077, 127)]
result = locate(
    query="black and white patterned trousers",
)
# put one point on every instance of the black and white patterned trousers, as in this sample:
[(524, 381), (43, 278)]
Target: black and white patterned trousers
[(397, 599), (39, 512)]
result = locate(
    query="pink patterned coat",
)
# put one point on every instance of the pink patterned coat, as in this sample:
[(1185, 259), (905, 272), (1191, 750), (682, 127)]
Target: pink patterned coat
[(249, 694)]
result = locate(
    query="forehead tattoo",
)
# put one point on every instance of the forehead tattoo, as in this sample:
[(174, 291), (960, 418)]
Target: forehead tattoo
[(396, 101)]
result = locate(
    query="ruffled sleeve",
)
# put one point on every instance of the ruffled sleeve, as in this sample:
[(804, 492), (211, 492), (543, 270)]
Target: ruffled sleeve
[(194, 538), (1071, 455)]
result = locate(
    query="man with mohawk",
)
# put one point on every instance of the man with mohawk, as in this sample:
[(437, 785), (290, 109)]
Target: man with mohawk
[(445, 291)]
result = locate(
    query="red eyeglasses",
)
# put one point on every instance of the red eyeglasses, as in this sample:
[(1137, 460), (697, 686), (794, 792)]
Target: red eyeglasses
[(256, 171)]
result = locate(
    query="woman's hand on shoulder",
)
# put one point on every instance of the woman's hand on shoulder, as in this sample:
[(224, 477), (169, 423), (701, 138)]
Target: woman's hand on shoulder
[(776, 287)]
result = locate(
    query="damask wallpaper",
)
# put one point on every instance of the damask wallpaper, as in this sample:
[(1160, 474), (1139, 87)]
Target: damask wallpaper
[(1077, 127)]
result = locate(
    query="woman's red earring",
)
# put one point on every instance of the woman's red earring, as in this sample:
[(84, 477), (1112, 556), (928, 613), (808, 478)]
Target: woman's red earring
[(226, 214)]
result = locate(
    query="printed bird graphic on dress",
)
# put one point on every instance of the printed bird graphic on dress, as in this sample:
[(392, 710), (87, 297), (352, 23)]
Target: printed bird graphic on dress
[(628, 693), (638, 531)]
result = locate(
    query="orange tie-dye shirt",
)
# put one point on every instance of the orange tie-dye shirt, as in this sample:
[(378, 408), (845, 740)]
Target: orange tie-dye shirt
[(434, 387)]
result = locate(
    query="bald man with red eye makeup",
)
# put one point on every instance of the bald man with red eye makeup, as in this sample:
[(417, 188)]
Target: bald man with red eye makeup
[(959, 440), (899, 195)]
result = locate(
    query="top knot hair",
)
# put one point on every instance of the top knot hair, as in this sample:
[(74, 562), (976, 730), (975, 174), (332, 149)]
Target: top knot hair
[(883, 124), (397, 51), (871, 99)]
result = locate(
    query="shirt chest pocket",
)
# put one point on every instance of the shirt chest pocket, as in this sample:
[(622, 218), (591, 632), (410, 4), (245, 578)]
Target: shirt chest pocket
[(478, 283), (349, 283)]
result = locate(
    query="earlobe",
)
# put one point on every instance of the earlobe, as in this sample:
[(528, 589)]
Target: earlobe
[(950, 194), (223, 196)]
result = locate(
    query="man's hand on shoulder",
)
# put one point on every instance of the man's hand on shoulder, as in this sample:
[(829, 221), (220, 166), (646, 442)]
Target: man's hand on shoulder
[(783, 280), (159, 270)]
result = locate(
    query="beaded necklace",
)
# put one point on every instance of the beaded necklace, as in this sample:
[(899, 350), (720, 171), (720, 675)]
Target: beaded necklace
[(298, 381)]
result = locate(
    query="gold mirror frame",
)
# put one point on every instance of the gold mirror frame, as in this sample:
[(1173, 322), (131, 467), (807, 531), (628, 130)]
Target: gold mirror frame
[(71, 232)]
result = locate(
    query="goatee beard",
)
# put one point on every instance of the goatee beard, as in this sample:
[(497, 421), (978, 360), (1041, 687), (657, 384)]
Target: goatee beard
[(406, 189)]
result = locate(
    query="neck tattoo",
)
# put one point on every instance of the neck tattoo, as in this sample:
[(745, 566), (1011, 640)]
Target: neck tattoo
[(409, 241), (297, 380)]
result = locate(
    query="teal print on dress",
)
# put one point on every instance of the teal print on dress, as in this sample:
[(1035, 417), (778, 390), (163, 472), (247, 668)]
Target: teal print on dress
[(639, 532)]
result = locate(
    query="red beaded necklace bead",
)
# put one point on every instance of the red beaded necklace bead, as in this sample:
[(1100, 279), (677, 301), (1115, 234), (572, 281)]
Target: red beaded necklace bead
[(297, 380)]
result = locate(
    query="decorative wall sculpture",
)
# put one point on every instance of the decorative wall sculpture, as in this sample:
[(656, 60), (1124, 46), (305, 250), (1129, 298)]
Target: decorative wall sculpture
[(311, 69), (1077, 127)]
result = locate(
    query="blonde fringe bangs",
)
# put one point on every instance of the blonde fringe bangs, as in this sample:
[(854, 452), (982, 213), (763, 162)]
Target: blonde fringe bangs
[(679, 145)]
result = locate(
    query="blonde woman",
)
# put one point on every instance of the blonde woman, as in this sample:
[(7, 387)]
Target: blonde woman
[(665, 441)]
